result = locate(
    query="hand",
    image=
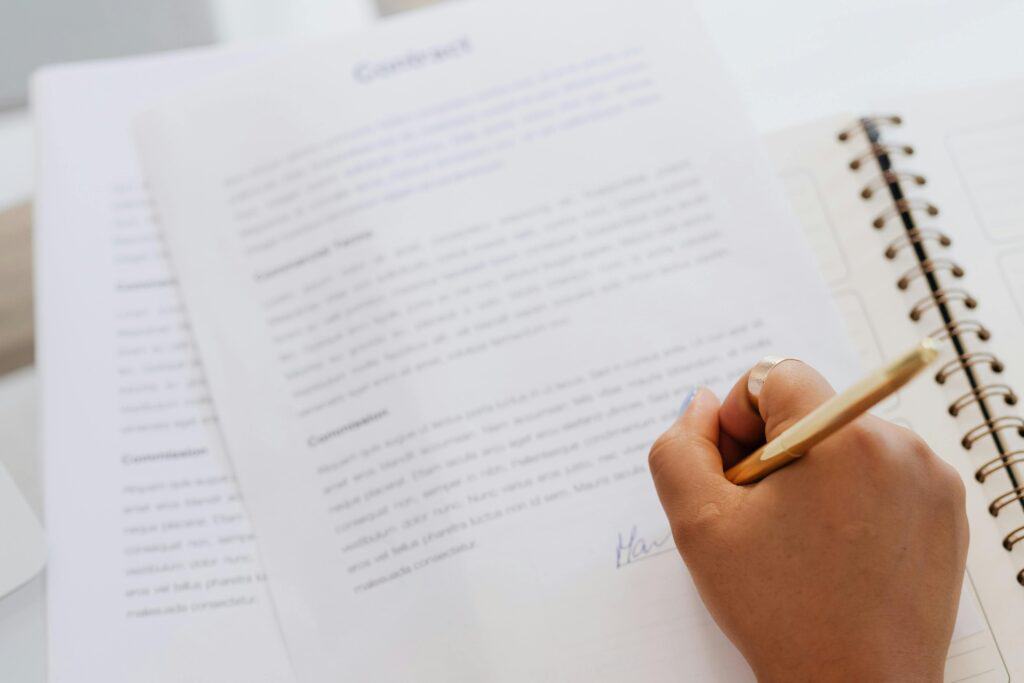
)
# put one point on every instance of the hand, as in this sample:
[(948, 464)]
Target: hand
[(845, 565)]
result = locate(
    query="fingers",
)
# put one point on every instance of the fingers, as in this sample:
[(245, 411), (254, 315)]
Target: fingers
[(685, 461), (791, 390), (741, 427)]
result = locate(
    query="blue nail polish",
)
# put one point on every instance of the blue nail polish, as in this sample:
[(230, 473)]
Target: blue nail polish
[(687, 400)]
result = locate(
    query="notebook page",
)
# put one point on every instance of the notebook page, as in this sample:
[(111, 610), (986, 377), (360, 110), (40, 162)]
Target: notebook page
[(970, 145), (153, 571), (450, 281), (838, 221)]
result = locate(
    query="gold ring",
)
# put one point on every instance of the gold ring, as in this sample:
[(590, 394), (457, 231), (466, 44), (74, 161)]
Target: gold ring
[(759, 374)]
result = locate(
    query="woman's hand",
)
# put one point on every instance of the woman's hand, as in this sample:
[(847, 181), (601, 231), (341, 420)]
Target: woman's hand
[(846, 565)]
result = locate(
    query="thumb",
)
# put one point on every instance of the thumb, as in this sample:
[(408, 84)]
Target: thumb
[(685, 462), (791, 390)]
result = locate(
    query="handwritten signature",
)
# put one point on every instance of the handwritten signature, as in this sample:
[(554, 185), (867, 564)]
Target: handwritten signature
[(634, 547)]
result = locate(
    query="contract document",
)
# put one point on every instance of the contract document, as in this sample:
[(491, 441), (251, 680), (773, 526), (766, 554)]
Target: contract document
[(448, 282)]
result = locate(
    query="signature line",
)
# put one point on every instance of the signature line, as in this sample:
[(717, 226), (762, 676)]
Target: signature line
[(633, 547)]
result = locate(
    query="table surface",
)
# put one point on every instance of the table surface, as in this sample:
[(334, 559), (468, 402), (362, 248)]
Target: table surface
[(792, 60), (22, 613)]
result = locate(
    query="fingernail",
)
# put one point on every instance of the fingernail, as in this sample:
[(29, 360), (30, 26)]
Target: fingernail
[(688, 400)]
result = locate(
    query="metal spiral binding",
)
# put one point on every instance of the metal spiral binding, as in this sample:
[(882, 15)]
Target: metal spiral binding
[(965, 361), (958, 328), (1004, 500), (991, 427), (942, 296), (1013, 538), (860, 128), (916, 236), (986, 397), (887, 178), (878, 150), (987, 391), (903, 207), (1001, 461), (927, 266)]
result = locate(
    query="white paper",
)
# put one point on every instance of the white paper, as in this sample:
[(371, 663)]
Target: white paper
[(449, 282), (154, 575)]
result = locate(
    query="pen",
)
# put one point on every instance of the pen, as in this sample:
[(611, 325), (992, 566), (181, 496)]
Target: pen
[(833, 414)]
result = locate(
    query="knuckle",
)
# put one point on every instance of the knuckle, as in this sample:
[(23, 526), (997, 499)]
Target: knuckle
[(948, 485), (913, 445), (696, 527), (892, 455), (667, 448), (890, 445), (869, 444), (945, 502), (791, 389), (658, 453), (942, 478)]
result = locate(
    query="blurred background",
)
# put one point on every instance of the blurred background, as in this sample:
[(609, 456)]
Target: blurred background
[(792, 60)]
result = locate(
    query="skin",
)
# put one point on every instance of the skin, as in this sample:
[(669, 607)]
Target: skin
[(845, 565)]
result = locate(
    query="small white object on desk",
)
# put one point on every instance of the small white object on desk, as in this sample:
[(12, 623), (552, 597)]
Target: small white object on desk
[(22, 551)]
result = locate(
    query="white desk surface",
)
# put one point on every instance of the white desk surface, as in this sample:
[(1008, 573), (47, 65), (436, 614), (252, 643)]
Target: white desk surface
[(793, 60), (22, 613)]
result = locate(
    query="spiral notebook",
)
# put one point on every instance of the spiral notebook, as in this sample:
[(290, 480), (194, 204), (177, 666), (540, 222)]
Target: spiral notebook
[(918, 224)]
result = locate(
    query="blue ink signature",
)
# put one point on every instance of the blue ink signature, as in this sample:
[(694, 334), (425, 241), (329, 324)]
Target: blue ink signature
[(635, 547)]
